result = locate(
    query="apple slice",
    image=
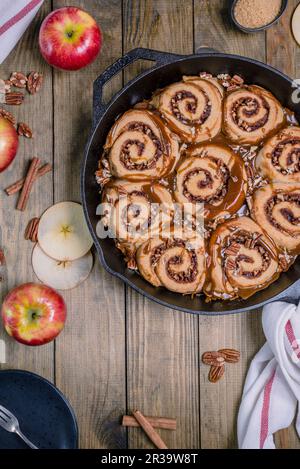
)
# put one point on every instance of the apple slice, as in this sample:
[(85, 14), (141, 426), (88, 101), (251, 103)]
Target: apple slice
[(61, 275), (63, 233)]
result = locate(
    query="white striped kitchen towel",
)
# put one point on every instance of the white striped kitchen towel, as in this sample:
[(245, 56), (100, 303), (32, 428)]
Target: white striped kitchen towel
[(15, 17), (272, 388)]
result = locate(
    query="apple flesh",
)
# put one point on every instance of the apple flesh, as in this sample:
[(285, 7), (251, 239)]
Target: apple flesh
[(33, 314), (69, 38), (9, 143)]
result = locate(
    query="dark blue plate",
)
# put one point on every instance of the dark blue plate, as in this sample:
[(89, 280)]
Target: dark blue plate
[(44, 414)]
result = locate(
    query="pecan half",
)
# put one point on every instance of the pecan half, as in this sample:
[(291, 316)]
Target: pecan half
[(24, 130), (18, 79), (216, 373), (34, 82), (7, 115), (230, 355), (213, 358), (14, 98), (237, 79)]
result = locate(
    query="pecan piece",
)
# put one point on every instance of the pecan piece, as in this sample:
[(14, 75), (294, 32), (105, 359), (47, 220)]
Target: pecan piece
[(18, 79), (216, 373), (237, 79), (14, 98), (7, 115), (213, 358), (230, 355), (34, 82), (24, 130)]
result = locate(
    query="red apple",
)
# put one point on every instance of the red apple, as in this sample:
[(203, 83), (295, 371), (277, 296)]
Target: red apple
[(9, 143), (69, 38), (33, 314)]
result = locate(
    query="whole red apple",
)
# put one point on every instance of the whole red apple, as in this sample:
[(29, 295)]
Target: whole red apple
[(69, 38), (33, 314), (9, 143)]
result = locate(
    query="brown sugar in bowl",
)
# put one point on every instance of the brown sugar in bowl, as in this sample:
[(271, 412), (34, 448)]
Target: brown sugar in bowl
[(269, 22)]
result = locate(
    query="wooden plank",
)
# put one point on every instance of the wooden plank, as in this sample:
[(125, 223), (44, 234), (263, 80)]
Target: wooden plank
[(162, 345), (282, 54), (37, 112), (90, 355), (219, 402)]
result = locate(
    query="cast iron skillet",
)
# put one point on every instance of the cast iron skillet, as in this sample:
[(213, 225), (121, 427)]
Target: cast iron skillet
[(167, 69)]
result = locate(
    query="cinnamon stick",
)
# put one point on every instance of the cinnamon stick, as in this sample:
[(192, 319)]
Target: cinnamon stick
[(17, 186), (27, 186), (156, 422), (32, 230), (149, 430)]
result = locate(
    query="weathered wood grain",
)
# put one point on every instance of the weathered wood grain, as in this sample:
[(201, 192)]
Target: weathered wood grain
[(219, 402), (162, 361), (90, 355), (37, 112)]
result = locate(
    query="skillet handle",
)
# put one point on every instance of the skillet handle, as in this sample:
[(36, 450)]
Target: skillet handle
[(136, 54)]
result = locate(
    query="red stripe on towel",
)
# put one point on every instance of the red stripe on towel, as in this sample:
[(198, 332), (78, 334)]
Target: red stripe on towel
[(20, 15), (264, 425), (292, 339)]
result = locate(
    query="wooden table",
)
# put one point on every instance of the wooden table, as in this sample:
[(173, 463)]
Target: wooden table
[(120, 351)]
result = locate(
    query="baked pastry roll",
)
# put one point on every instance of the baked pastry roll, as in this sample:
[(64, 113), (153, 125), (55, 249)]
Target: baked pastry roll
[(192, 108), (250, 114), (279, 158), (214, 175), (139, 146), (276, 207), (175, 263), (243, 260)]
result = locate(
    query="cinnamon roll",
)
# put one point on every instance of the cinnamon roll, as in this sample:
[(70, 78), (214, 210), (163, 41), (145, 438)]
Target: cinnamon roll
[(279, 159), (136, 211), (250, 114), (192, 108), (140, 146), (243, 260), (276, 207), (176, 264), (214, 175)]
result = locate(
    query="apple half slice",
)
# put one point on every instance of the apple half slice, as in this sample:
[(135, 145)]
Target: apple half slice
[(61, 275), (63, 233)]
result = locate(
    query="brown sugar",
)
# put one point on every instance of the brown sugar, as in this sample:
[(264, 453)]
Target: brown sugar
[(256, 13)]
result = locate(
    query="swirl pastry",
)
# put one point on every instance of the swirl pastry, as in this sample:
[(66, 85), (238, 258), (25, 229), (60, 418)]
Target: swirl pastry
[(140, 146), (176, 264), (250, 114), (192, 108), (214, 175), (279, 159), (243, 260), (136, 211), (276, 207)]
